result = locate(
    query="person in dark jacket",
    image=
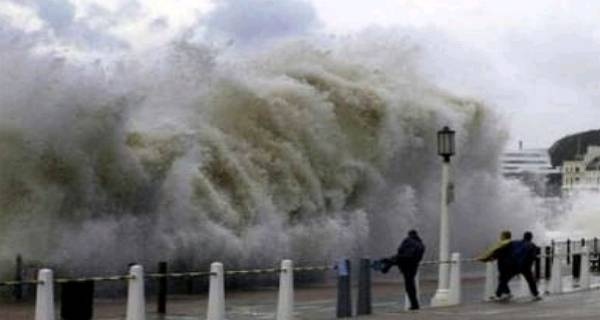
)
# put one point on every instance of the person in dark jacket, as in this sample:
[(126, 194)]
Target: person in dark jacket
[(525, 252), (502, 251), (408, 258)]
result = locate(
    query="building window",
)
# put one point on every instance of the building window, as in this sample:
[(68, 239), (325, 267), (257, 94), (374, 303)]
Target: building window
[(577, 169)]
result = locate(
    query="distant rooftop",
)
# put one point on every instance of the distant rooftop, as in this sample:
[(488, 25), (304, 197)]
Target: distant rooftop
[(572, 147)]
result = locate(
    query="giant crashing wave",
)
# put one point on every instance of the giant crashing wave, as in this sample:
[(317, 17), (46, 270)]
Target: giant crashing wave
[(193, 155)]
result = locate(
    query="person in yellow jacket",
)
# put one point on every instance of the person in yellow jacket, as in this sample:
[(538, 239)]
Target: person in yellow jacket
[(502, 251)]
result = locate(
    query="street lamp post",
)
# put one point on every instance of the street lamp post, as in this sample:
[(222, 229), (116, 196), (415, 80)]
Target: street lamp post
[(445, 150)]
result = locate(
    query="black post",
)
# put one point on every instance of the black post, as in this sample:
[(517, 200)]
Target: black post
[(583, 245), (595, 261), (568, 251), (363, 306), (537, 265), (18, 288), (548, 263), (189, 283), (344, 296), (77, 300), (162, 288), (576, 267)]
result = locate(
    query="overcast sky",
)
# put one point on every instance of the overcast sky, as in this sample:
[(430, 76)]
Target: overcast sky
[(536, 61)]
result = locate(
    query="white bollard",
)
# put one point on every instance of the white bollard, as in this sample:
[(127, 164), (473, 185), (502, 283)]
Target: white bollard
[(216, 293), (491, 281), (556, 277), (584, 276), (136, 301), (44, 300), (454, 294), (417, 289), (285, 305)]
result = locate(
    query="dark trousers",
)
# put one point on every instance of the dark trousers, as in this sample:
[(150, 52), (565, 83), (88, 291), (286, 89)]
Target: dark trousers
[(503, 279), (528, 275), (409, 272)]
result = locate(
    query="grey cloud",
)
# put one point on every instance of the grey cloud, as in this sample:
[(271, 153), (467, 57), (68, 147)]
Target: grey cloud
[(159, 24), (59, 17), (253, 21), (546, 71), (569, 58), (59, 14)]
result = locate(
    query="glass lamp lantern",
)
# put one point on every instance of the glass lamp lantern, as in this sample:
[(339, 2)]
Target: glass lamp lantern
[(446, 143)]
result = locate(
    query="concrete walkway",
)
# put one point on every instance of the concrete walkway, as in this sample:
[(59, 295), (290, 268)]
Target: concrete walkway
[(582, 305), (318, 303)]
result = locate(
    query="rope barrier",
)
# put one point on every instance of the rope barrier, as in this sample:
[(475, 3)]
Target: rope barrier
[(95, 279), (560, 255), (230, 272), (433, 262), (16, 283), (180, 274), (252, 271), (314, 268), (169, 275)]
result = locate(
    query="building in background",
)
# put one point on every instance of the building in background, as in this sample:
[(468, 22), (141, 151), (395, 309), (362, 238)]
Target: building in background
[(532, 167), (583, 173)]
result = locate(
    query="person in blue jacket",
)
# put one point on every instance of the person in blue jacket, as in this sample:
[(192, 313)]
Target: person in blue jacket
[(525, 252)]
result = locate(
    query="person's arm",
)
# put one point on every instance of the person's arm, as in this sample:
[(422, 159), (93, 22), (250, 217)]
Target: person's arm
[(490, 253)]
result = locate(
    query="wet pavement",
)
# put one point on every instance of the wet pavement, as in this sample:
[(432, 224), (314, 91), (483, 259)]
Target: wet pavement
[(317, 302), (581, 305)]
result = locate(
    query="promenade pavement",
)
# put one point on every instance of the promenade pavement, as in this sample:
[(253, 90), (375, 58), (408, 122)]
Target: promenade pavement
[(318, 303), (582, 305)]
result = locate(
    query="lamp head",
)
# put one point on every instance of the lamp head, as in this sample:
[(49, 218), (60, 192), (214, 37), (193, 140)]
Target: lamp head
[(446, 143)]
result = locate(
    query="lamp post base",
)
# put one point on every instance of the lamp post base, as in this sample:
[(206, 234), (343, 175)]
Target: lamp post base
[(441, 298)]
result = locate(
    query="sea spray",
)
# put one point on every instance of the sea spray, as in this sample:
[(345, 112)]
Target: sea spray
[(306, 151), (576, 217)]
